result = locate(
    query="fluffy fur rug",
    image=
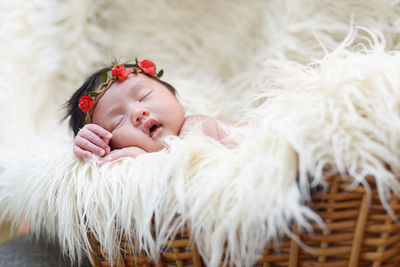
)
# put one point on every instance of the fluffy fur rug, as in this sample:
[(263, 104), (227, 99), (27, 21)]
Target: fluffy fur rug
[(318, 83)]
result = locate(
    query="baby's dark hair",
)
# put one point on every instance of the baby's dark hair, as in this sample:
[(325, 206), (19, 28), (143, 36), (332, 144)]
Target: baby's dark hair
[(77, 116)]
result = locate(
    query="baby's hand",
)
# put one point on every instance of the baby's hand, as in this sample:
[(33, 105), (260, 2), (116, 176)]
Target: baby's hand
[(131, 152), (92, 139)]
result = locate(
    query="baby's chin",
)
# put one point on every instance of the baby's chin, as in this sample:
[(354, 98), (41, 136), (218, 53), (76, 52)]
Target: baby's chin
[(148, 147), (156, 147)]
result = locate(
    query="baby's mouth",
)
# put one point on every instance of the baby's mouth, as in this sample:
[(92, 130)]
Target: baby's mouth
[(154, 129), (152, 126)]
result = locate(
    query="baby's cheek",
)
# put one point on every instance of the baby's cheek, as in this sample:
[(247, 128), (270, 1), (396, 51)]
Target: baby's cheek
[(122, 139), (115, 142)]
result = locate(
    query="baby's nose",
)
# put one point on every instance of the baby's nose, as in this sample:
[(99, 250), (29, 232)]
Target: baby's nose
[(138, 116)]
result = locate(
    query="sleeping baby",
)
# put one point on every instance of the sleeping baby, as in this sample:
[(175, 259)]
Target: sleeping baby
[(126, 110)]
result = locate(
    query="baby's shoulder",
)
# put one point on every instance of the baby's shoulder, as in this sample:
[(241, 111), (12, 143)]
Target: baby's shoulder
[(191, 122), (212, 127), (206, 123)]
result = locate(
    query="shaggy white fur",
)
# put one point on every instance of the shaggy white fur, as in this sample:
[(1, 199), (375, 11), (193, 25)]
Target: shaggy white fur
[(321, 103)]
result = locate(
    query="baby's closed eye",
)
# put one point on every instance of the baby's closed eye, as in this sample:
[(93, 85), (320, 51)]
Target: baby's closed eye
[(144, 95), (117, 122)]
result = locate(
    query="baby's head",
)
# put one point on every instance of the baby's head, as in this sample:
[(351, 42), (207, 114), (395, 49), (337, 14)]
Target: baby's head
[(139, 111)]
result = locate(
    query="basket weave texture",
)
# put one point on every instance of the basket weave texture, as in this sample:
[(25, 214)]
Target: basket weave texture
[(359, 232)]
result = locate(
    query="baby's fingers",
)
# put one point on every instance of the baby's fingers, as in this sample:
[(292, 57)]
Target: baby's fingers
[(131, 152), (114, 155), (108, 158), (88, 146), (111, 157), (79, 152), (99, 131), (93, 138)]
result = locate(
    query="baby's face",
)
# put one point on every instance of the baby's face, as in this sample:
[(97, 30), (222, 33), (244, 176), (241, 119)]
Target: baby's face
[(139, 112)]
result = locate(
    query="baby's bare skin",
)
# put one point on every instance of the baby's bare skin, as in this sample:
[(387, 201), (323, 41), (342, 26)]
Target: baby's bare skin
[(94, 139), (134, 117)]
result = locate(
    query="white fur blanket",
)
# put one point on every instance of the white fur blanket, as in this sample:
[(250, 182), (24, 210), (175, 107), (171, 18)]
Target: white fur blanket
[(320, 97)]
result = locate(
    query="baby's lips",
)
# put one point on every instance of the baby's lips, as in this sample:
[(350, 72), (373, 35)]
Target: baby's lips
[(148, 124)]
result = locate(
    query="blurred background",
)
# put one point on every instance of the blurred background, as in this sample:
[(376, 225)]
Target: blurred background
[(6, 232)]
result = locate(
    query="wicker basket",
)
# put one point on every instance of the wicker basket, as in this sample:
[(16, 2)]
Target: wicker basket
[(361, 233)]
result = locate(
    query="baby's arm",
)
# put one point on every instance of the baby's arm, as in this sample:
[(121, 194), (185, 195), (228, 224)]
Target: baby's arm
[(131, 152), (93, 138), (212, 127)]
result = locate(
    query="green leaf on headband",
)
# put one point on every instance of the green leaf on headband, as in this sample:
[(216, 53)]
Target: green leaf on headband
[(104, 76), (114, 63), (92, 94), (160, 73), (109, 75)]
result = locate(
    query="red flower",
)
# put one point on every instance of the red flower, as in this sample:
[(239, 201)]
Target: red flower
[(147, 66), (120, 72), (86, 103)]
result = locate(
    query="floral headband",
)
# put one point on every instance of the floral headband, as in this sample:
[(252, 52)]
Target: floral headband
[(88, 101)]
